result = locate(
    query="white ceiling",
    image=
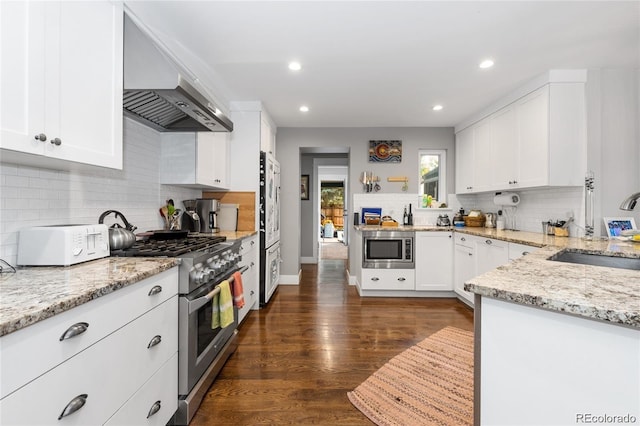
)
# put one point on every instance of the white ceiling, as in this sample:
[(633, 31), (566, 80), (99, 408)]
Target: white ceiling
[(386, 63)]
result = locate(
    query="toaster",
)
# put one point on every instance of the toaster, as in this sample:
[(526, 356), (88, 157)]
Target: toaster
[(62, 245)]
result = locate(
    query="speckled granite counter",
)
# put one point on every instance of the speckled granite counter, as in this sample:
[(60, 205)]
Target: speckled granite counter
[(607, 294), (36, 293), (236, 235)]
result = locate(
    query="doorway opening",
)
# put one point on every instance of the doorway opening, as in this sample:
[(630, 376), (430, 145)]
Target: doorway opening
[(332, 202)]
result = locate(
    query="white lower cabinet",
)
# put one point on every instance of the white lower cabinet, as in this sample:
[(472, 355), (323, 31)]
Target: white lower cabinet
[(434, 261), (91, 385), (388, 279), (465, 269), (490, 254), (516, 250), (154, 402), (250, 277)]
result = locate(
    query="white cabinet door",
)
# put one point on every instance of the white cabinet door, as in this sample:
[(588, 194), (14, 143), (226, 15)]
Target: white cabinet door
[(504, 148), (267, 136), (490, 254), (434, 261), (464, 161), (483, 162), (71, 87), (516, 250), (22, 66), (388, 279), (250, 277), (465, 269), (532, 113), (220, 162)]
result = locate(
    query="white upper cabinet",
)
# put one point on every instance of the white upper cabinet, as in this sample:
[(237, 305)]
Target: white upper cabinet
[(195, 160), (464, 161), (504, 148), (267, 136), (537, 140), (62, 83)]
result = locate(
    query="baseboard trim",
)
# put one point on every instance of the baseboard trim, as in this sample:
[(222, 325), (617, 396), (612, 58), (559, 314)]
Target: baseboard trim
[(290, 279)]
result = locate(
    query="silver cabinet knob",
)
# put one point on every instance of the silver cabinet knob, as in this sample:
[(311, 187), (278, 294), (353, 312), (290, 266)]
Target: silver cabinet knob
[(155, 341), (56, 141), (41, 137), (488, 241), (155, 290)]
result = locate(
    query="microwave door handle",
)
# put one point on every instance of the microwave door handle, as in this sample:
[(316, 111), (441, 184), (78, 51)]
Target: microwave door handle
[(198, 303)]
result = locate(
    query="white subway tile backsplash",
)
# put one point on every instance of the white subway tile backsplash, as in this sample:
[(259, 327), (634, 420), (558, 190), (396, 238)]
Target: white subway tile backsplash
[(31, 196)]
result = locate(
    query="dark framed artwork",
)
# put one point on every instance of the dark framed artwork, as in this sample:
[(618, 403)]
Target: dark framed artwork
[(304, 187), (385, 151)]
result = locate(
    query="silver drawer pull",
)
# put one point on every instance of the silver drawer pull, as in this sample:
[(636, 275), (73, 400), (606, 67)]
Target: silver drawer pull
[(74, 405), (375, 279), (252, 264), (488, 241), (74, 330), (155, 290), (155, 341), (524, 253), (463, 239), (402, 279), (154, 408)]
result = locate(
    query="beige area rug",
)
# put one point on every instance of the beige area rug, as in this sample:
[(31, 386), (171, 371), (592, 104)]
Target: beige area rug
[(333, 250), (430, 383)]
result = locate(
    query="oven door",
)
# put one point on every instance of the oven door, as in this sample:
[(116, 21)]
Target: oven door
[(198, 342)]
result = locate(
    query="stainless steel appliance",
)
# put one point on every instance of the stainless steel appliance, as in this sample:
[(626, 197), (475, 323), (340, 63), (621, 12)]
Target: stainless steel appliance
[(443, 220), (270, 258), (190, 217), (62, 245), (156, 93), (387, 249), (207, 210), (202, 351)]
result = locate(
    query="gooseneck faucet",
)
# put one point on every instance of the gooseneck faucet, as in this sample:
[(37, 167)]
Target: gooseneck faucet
[(630, 202)]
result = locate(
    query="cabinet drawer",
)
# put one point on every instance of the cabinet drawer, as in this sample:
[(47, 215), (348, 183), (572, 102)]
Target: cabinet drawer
[(108, 373), (463, 239), (155, 402), (388, 279), (30, 352), (248, 245)]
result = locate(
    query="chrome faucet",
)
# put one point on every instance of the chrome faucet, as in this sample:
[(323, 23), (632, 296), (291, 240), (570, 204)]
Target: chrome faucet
[(630, 202)]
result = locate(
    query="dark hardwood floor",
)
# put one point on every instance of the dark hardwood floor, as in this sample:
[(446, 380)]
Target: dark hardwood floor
[(298, 357)]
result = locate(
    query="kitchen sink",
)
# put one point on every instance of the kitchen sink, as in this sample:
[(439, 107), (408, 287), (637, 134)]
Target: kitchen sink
[(597, 260)]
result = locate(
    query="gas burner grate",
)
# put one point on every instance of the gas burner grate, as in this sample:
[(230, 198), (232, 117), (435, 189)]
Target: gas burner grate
[(169, 248)]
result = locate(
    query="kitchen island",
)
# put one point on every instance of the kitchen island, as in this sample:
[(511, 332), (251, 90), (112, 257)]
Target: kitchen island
[(558, 343)]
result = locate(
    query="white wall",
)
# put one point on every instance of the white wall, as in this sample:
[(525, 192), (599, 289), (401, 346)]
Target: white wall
[(33, 196), (356, 140)]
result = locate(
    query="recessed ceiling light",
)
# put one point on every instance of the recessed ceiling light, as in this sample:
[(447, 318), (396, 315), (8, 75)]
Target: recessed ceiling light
[(437, 107), (304, 108), (487, 63), (295, 66)]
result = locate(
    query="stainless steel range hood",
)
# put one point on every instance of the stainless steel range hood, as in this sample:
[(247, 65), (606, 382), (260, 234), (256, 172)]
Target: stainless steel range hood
[(157, 94)]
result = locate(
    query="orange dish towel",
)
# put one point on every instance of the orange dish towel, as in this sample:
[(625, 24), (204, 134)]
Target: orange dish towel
[(238, 291)]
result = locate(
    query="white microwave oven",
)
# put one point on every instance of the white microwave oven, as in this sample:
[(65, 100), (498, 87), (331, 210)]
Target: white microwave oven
[(387, 249)]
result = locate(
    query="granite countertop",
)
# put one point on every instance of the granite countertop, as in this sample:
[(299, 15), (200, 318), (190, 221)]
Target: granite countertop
[(595, 292), (36, 293), (602, 293), (236, 235)]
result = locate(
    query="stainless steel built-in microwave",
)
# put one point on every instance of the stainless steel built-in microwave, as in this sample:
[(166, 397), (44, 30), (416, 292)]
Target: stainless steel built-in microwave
[(387, 249)]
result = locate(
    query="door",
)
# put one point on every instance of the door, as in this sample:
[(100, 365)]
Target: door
[(434, 261)]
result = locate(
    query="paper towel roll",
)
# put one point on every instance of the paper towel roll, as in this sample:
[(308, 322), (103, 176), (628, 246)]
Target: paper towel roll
[(506, 199)]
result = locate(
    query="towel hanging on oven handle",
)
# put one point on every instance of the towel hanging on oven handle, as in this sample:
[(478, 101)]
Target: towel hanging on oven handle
[(198, 303)]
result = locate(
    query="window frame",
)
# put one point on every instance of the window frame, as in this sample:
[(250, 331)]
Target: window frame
[(442, 174)]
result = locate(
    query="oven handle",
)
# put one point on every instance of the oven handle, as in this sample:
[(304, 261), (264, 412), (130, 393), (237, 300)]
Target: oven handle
[(198, 303)]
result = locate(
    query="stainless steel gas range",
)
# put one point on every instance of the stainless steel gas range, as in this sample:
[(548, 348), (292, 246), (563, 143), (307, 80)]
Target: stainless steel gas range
[(205, 261)]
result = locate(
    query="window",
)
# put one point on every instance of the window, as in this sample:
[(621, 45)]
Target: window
[(432, 178)]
